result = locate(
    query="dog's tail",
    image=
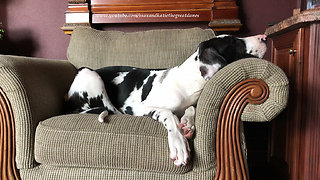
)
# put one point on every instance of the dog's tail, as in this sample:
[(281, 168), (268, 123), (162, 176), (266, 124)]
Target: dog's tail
[(106, 112), (102, 115), (103, 112)]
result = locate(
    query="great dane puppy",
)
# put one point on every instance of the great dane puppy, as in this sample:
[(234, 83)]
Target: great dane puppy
[(164, 95)]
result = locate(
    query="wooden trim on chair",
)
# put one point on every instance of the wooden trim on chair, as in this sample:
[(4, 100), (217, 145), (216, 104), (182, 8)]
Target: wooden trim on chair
[(7, 140), (230, 160)]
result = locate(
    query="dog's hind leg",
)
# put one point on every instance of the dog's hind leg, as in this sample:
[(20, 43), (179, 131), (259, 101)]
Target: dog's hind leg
[(178, 144), (187, 122), (89, 95)]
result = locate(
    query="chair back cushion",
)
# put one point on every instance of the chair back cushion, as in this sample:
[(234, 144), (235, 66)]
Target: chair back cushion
[(146, 49)]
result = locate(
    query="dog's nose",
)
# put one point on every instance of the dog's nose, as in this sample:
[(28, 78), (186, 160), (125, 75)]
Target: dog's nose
[(263, 38)]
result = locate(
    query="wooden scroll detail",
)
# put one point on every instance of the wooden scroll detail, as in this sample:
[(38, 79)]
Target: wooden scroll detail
[(230, 160), (7, 140)]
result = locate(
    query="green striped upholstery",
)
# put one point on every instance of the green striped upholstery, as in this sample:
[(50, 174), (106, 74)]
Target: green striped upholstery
[(146, 49), (123, 142), (35, 88)]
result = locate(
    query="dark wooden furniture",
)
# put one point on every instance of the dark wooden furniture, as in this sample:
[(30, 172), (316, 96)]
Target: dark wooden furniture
[(295, 142), (222, 15)]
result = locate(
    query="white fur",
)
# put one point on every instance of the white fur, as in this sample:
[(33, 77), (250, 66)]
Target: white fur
[(119, 79), (255, 46), (222, 35), (87, 81)]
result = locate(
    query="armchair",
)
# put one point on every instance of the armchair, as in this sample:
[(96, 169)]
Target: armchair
[(39, 142)]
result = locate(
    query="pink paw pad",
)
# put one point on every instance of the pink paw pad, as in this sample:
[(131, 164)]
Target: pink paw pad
[(187, 131)]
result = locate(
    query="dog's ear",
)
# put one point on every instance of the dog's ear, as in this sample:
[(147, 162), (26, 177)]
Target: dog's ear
[(211, 62), (211, 56)]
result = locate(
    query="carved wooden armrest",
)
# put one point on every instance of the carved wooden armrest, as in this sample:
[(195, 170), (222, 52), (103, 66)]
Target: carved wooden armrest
[(230, 160), (7, 140)]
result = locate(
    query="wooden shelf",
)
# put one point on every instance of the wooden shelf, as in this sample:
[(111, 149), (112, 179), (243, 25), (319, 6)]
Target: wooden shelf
[(222, 15)]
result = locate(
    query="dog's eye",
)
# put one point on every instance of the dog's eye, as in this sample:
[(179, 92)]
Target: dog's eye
[(196, 58)]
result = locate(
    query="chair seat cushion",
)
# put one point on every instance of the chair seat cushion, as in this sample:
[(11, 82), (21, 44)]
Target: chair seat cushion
[(122, 142)]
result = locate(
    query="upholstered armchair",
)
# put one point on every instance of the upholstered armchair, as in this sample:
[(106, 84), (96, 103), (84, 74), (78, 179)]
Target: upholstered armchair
[(38, 141)]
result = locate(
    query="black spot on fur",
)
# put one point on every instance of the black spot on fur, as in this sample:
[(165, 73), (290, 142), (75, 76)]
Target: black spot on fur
[(147, 87), (129, 110), (119, 93), (133, 79), (85, 68), (85, 96), (203, 70), (97, 110), (96, 101), (74, 103), (151, 113), (157, 117)]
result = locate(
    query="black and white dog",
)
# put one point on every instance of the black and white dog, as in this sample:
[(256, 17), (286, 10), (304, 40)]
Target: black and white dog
[(164, 95)]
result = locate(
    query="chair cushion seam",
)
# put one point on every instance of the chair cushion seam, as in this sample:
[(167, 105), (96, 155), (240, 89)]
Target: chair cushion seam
[(97, 132)]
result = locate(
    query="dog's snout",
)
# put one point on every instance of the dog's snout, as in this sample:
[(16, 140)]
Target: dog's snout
[(263, 38)]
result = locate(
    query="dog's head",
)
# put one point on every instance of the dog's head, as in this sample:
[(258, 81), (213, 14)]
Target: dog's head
[(222, 50)]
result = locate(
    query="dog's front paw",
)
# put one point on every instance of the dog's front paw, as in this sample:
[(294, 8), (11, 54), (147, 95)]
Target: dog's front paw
[(188, 130), (179, 148), (187, 122)]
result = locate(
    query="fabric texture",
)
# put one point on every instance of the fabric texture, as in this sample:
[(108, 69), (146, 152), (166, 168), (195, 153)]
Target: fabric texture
[(123, 142), (145, 49), (35, 88), (48, 172)]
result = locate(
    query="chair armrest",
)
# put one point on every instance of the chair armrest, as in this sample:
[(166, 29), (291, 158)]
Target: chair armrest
[(248, 90), (32, 90)]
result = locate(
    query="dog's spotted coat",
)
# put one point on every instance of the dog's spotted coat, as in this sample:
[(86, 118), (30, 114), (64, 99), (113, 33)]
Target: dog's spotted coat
[(164, 95)]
